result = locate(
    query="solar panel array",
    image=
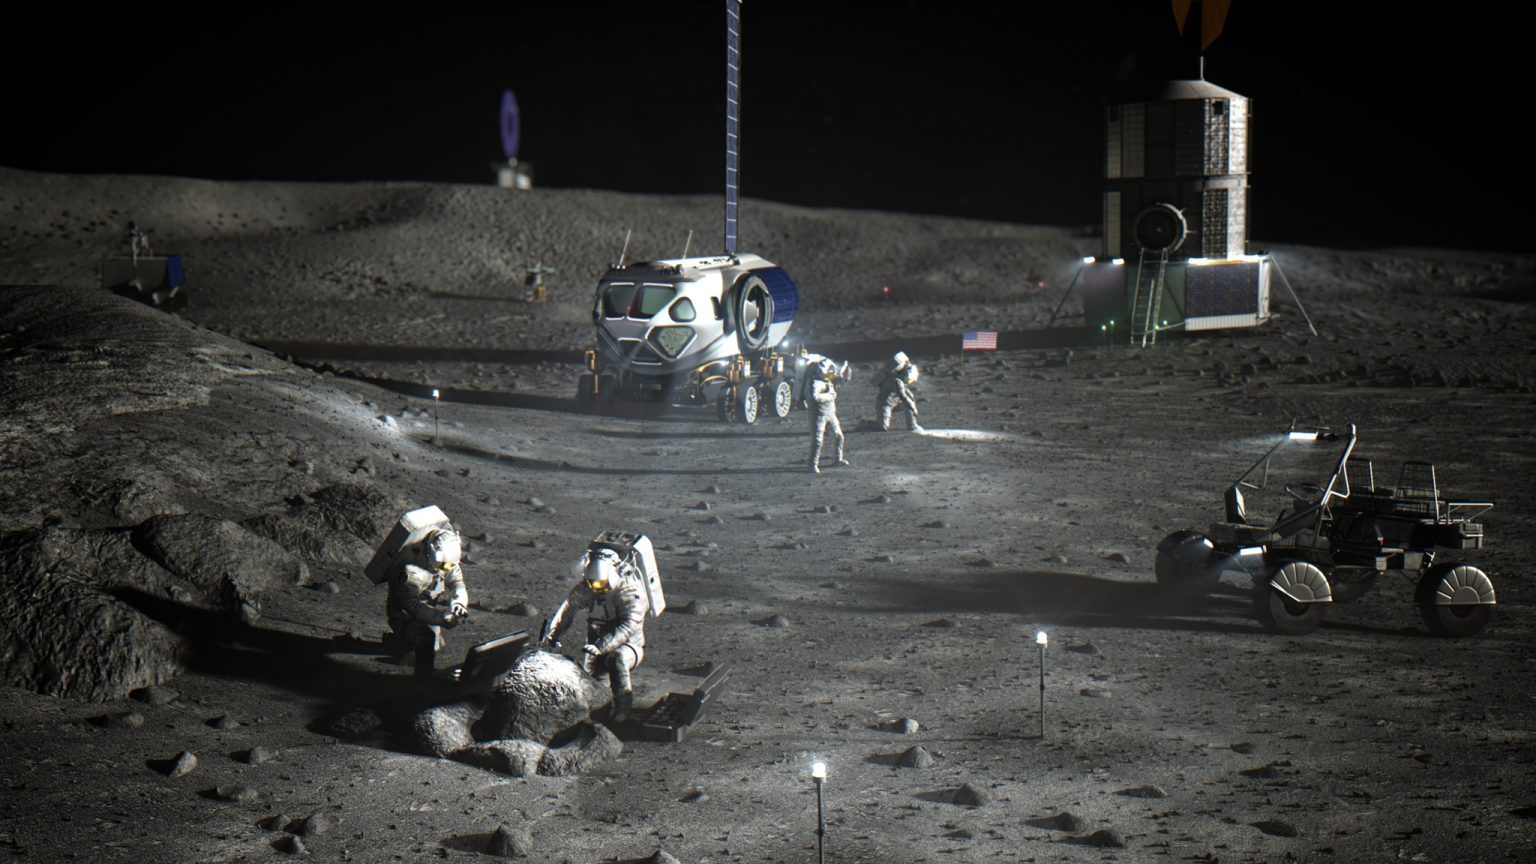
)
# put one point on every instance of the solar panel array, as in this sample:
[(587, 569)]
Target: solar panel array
[(732, 116)]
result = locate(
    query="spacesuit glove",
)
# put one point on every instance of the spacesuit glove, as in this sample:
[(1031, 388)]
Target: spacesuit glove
[(459, 610), (591, 650)]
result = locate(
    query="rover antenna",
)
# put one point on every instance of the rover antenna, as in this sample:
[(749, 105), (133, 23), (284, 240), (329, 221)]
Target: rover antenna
[(687, 243), (732, 116), (625, 251)]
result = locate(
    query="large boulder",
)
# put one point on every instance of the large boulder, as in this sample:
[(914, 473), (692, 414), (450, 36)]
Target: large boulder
[(66, 633), (536, 721), (540, 697)]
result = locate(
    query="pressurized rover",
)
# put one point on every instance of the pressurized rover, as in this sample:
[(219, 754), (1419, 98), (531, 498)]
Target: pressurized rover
[(689, 331)]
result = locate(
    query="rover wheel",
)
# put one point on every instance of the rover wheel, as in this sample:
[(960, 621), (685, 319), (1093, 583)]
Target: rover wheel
[(747, 404), (1281, 613), (1460, 582), (1185, 562), (584, 394), (726, 405), (783, 399)]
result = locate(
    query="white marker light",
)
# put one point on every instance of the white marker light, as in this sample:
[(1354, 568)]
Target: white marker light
[(1041, 639), (819, 770), (1250, 550), (1303, 436), (434, 393), (1089, 259), (1117, 261)]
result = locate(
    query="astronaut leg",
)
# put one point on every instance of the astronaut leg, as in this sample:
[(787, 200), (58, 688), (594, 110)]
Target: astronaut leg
[(911, 407), (837, 436), (887, 405), (428, 641), (818, 433), (620, 662)]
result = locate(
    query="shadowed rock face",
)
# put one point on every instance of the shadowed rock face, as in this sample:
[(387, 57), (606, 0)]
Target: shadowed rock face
[(70, 633), (535, 721), (65, 633)]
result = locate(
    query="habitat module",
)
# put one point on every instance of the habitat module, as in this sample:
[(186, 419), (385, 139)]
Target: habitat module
[(1176, 218)]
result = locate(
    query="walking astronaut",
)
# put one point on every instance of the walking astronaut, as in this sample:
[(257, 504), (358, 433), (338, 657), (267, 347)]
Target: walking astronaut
[(618, 586), (823, 404), (895, 385), (420, 561)]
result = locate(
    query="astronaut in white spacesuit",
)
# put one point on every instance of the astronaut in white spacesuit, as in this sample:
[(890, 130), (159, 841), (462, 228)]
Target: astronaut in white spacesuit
[(613, 592), (823, 403), (426, 594), (895, 385)]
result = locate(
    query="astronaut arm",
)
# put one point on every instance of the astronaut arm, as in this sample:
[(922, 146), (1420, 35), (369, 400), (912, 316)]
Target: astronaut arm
[(822, 392), (458, 592)]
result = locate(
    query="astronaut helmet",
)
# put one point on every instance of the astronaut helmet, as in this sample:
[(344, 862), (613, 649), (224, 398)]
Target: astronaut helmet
[(826, 370), (444, 549), (601, 571), (900, 359)]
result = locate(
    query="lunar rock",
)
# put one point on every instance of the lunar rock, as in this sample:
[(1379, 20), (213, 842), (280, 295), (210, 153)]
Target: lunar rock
[(316, 823), (1107, 838), (290, 844), (237, 794), (915, 757), (661, 857), (156, 695), (184, 763), (1147, 791), (969, 795), (1068, 821), (228, 565), (258, 754), (1276, 828), (509, 842)]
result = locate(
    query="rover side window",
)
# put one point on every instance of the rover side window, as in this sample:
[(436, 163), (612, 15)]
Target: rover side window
[(682, 310), (652, 299), (617, 299)]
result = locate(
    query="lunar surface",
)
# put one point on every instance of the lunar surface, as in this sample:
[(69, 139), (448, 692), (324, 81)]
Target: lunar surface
[(192, 652)]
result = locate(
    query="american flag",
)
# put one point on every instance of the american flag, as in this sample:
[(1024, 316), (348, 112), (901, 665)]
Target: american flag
[(979, 340)]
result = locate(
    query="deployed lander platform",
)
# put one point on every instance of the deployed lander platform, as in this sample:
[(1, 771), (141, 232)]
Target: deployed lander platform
[(704, 330)]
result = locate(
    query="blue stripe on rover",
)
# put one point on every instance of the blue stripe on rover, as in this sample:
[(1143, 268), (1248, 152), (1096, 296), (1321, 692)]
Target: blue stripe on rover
[(786, 298)]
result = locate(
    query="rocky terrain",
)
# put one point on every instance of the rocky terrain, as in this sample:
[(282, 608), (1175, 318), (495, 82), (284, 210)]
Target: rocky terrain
[(192, 655)]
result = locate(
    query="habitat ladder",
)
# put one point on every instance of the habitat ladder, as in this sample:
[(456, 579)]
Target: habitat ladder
[(1147, 300)]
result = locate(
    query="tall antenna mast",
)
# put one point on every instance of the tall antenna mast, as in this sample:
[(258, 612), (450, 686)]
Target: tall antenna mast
[(732, 116)]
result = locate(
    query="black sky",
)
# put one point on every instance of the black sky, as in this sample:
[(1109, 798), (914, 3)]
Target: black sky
[(1375, 123)]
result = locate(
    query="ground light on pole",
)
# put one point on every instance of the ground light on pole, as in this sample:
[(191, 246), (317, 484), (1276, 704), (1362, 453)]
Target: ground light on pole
[(1041, 639), (819, 774), (436, 398)]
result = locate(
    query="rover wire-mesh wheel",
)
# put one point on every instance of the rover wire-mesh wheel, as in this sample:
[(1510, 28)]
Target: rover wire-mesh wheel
[(1283, 614), (1459, 582), (1185, 563), (747, 404), (584, 394), (725, 406), (783, 399)]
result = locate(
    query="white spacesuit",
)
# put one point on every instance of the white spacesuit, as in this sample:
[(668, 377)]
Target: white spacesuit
[(426, 594), (824, 412), (896, 389), (613, 592)]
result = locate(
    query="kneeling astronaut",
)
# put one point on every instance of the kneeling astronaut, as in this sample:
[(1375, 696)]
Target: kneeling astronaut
[(614, 592), (426, 594)]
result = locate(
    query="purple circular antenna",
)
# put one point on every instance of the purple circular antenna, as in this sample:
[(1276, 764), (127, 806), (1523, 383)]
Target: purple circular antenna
[(509, 124)]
